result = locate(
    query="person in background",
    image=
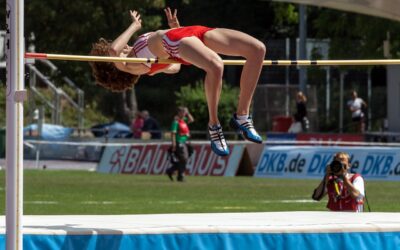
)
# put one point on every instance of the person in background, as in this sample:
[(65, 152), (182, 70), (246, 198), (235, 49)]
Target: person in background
[(356, 104), (180, 147), (345, 190), (301, 111), (151, 125), (137, 125), (300, 121)]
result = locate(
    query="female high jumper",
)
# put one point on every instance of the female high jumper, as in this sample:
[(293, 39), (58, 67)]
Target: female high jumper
[(197, 45)]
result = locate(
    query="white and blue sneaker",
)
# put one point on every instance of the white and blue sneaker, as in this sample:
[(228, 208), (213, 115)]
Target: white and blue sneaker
[(246, 128), (218, 143)]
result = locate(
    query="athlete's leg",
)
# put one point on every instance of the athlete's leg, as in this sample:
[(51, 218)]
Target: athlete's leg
[(236, 43), (192, 50)]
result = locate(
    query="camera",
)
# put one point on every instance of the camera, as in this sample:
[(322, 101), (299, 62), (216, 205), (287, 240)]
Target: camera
[(336, 166)]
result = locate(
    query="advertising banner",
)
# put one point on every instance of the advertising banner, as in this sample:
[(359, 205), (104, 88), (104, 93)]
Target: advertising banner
[(281, 137), (379, 163), (153, 159), (330, 139)]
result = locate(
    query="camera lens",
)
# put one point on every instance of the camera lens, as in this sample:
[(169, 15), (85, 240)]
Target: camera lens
[(336, 166)]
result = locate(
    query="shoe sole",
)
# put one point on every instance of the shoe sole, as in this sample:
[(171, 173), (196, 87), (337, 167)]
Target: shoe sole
[(219, 153), (235, 126)]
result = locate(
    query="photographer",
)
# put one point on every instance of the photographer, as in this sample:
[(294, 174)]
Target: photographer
[(345, 190)]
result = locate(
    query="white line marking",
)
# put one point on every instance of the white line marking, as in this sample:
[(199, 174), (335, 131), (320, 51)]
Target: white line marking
[(98, 202), (41, 202), (289, 201)]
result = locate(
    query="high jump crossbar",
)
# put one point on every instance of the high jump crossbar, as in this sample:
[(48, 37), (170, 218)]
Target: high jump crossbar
[(226, 62)]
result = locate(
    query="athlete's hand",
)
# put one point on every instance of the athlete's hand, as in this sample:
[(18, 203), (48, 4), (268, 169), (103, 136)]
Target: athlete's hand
[(136, 21), (172, 18)]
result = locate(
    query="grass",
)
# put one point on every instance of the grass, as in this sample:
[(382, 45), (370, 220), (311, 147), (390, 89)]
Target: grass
[(51, 192)]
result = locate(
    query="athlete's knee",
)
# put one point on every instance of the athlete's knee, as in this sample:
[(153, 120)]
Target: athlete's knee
[(215, 67), (262, 49), (259, 50)]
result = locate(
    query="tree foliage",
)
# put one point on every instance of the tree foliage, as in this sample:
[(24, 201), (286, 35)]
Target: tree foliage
[(355, 36), (194, 98)]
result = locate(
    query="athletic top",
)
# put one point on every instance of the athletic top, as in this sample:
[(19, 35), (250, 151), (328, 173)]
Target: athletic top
[(181, 130), (356, 105), (171, 41), (142, 50), (340, 198)]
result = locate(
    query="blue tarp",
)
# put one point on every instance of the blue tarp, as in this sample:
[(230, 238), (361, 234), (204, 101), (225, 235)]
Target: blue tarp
[(111, 130), (49, 131)]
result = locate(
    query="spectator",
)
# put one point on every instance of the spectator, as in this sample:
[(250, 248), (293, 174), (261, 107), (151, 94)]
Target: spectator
[(137, 125), (151, 125), (356, 104), (180, 148), (345, 190), (301, 123)]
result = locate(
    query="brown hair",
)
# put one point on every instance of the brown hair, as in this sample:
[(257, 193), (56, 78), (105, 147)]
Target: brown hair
[(106, 74)]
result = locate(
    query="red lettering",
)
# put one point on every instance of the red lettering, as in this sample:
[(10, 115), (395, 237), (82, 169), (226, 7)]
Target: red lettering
[(161, 162), (116, 159), (147, 154), (219, 167), (131, 160)]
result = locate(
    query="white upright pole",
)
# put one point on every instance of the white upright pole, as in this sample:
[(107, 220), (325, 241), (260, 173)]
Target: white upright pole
[(369, 118), (14, 130), (342, 76)]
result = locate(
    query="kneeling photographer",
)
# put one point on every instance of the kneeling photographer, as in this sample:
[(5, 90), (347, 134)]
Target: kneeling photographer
[(345, 190)]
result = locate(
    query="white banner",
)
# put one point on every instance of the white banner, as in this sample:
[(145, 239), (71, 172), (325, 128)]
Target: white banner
[(380, 163)]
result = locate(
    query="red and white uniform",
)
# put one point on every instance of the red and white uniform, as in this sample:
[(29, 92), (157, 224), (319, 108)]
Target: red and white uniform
[(170, 42), (339, 197), (172, 39), (141, 49)]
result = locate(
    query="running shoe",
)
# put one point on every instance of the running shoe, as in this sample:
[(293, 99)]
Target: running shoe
[(218, 143), (246, 129)]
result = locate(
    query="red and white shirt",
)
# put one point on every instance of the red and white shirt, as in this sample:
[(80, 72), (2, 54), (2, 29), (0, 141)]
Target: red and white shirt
[(339, 198), (141, 49)]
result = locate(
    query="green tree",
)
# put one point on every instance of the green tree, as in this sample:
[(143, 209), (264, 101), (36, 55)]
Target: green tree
[(354, 35), (194, 98)]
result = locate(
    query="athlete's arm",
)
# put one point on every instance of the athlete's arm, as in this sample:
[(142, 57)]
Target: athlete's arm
[(172, 69), (120, 43), (173, 21), (132, 68)]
